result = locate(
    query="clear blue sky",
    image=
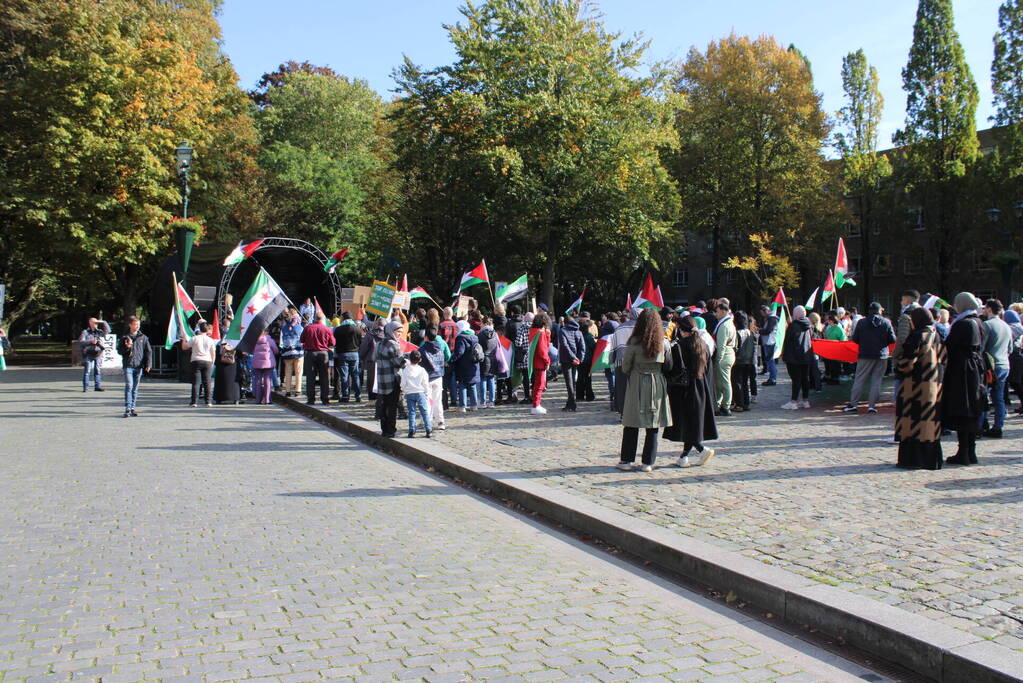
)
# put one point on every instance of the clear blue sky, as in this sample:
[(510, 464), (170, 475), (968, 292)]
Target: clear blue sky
[(368, 39)]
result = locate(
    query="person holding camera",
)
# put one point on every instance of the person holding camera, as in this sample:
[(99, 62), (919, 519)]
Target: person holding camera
[(91, 343), (136, 358)]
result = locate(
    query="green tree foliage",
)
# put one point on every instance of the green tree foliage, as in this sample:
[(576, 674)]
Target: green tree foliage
[(1007, 82), (541, 118), (751, 129), (321, 147), (940, 135), (95, 96), (864, 171)]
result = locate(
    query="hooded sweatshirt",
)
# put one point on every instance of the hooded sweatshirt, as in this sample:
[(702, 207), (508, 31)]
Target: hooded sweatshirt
[(571, 344), (874, 334)]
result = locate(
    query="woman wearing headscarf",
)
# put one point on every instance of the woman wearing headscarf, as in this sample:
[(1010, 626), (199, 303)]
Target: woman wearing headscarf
[(646, 395), (388, 360), (964, 395), (797, 352), (225, 378), (690, 394), (918, 415), (264, 359), (367, 356)]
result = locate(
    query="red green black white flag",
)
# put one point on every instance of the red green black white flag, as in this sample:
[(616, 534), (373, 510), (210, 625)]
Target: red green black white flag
[(242, 251), (261, 305)]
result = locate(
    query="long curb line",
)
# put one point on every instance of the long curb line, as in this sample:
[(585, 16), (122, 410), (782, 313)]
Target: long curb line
[(922, 645)]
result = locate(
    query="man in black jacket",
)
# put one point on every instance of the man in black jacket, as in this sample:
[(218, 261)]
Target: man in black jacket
[(136, 358), (874, 334), (347, 340), (572, 350)]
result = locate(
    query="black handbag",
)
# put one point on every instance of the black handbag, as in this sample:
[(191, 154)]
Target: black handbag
[(674, 368)]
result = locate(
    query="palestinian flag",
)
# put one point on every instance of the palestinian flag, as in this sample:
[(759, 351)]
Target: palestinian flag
[(829, 288), (535, 335), (404, 284), (779, 301), (602, 354), (215, 330), (476, 276), (512, 290), (261, 305), (779, 332), (419, 293), (842, 277), (242, 251), (577, 304), (177, 326), (408, 347), (505, 354), (628, 302), (649, 296), (933, 301), (335, 258)]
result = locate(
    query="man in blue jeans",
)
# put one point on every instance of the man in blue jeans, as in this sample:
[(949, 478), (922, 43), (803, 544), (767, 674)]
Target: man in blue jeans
[(347, 339), (997, 345), (91, 343), (136, 358)]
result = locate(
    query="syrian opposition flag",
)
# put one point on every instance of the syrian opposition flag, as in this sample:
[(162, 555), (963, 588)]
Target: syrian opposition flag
[(177, 326), (242, 251), (577, 304), (602, 354), (649, 296), (842, 277), (779, 332), (476, 276), (261, 305), (829, 288), (335, 258), (812, 301), (512, 290), (779, 301)]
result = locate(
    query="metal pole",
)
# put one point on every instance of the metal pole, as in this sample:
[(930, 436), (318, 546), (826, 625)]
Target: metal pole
[(184, 193)]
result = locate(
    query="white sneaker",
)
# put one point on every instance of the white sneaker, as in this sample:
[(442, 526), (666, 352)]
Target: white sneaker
[(624, 466), (804, 403), (463, 410), (791, 405), (441, 427), (538, 410), (683, 461), (646, 468), (707, 454), (753, 399)]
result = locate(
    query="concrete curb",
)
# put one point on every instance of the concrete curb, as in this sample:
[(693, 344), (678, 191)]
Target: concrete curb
[(921, 645)]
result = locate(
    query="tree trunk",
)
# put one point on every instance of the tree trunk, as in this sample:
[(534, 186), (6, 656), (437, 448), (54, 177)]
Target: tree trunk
[(549, 265)]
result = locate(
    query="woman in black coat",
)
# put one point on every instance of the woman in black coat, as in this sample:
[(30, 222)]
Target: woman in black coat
[(964, 395), (797, 352), (225, 384), (690, 394)]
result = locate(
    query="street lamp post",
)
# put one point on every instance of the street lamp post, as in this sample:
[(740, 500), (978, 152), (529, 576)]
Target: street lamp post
[(184, 155)]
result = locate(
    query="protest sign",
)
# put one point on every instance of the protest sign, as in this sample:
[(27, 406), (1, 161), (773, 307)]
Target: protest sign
[(381, 298)]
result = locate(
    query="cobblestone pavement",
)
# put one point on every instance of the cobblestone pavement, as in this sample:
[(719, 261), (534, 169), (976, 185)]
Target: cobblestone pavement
[(247, 543), (815, 491)]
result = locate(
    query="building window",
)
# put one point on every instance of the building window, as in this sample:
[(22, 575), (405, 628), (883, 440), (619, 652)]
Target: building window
[(985, 294), (729, 277), (982, 260), (913, 265), (680, 277), (711, 282), (855, 265), (852, 228), (882, 264), (915, 218)]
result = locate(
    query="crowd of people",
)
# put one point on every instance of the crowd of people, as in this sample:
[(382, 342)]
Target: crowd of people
[(672, 373)]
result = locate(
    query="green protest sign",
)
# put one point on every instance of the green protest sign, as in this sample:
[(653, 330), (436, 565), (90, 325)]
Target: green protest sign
[(380, 298)]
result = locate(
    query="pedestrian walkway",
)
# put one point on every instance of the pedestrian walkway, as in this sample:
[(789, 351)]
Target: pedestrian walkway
[(244, 542), (813, 491)]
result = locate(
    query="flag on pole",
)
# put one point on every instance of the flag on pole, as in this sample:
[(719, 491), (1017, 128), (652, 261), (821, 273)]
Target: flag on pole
[(419, 293), (242, 251), (812, 301), (215, 333), (535, 335), (177, 326), (505, 354), (779, 301), (602, 354), (404, 284), (335, 258), (476, 276), (842, 276), (512, 290), (628, 302), (649, 296), (829, 288), (261, 305), (933, 301), (318, 310), (779, 332), (577, 304)]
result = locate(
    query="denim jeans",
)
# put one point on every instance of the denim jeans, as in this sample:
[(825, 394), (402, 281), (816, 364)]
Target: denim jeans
[(418, 402), (94, 367), (348, 367), (997, 393), (609, 375), (487, 390), (772, 363), (132, 377), (467, 396)]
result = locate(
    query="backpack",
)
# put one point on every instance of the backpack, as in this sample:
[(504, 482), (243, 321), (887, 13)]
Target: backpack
[(226, 354), (478, 355)]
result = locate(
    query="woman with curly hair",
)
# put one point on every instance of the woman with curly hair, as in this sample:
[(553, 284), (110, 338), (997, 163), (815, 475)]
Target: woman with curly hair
[(646, 394)]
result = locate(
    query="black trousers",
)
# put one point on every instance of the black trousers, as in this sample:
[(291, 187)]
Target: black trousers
[(630, 439), (202, 370), (967, 452), (316, 372), (742, 376), (571, 372), (584, 385), (389, 412), (800, 375)]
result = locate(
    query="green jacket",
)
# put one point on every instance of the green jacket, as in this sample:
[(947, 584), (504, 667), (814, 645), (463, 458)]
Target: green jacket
[(834, 333), (646, 394)]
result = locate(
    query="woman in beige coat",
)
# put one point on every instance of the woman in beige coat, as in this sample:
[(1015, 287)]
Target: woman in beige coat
[(646, 396)]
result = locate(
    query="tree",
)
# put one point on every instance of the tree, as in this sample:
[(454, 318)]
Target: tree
[(549, 127), (273, 79), (864, 171), (751, 130), (321, 148), (940, 135)]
